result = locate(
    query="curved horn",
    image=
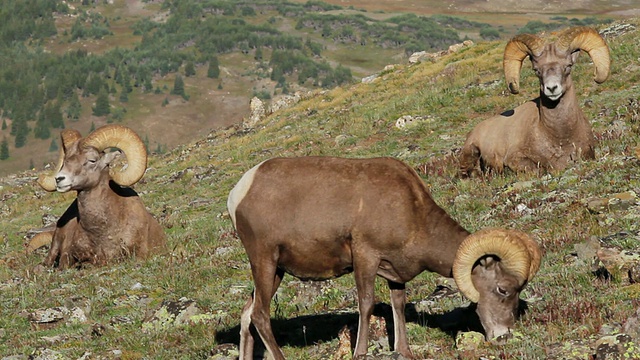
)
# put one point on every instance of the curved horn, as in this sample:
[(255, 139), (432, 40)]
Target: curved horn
[(517, 49), (534, 251), (67, 137), (587, 39), (125, 139), (512, 247)]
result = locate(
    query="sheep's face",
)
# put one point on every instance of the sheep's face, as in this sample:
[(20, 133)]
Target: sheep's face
[(553, 69), (82, 168), (499, 297)]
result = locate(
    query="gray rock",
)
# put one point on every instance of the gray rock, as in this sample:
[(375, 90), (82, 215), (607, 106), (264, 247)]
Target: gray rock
[(620, 346)]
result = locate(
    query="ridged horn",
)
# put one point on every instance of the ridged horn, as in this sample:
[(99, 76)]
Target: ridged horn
[(518, 253), (125, 139), (588, 40), (517, 49), (67, 137)]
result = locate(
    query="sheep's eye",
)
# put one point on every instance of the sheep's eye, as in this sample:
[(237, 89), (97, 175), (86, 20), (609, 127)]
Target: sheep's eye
[(91, 161), (501, 291)]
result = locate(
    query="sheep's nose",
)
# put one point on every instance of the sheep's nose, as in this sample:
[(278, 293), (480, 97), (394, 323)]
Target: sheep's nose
[(59, 179), (552, 89)]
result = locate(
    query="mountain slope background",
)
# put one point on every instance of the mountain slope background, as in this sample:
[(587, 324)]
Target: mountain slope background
[(154, 42), (585, 219)]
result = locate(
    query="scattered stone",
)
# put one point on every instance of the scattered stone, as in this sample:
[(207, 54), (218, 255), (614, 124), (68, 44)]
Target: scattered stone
[(341, 139), (378, 341), (176, 313), (423, 55), (632, 326), (586, 251), (621, 201), (369, 79), (16, 357), (345, 348), (48, 318), (258, 111), (408, 120), (616, 30), (521, 185), (574, 350), (224, 352), (621, 264), (620, 346), (46, 354), (136, 286), (285, 102), (469, 341)]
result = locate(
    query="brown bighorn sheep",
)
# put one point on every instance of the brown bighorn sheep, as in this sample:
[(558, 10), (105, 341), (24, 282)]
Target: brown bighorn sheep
[(107, 220), (318, 218), (550, 131)]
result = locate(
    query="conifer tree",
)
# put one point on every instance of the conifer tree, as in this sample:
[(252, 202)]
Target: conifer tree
[(189, 69), (41, 130), (53, 115), (75, 108), (124, 96), (4, 149), (22, 130), (178, 86), (214, 68), (53, 146), (102, 104), (94, 84)]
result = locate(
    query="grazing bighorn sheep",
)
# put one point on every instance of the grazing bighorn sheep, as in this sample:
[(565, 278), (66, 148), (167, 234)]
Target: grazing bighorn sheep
[(318, 218), (551, 130), (107, 220)]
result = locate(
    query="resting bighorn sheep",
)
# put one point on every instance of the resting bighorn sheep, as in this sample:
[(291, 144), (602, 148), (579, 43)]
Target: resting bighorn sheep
[(107, 220), (318, 218), (551, 130)]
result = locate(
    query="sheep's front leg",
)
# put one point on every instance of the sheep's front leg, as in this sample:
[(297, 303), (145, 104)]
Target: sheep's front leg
[(398, 301), (54, 250), (468, 159)]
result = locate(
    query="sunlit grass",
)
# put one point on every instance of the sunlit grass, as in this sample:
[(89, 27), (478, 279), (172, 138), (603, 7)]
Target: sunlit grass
[(186, 188)]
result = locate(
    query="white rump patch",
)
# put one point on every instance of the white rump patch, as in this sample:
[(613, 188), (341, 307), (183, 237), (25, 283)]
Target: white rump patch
[(239, 191)]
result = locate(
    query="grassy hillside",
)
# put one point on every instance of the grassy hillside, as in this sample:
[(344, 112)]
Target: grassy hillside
[(360, 38), (569, 307)]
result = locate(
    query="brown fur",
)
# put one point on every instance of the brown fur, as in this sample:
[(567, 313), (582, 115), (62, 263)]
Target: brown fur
[(106, 222), (320, 217), (539, 135)]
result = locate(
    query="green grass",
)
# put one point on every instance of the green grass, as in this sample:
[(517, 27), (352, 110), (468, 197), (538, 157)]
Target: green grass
[(187, 189)]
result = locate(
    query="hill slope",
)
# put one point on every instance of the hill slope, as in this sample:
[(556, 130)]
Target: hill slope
[(571, 305), (85, 46)]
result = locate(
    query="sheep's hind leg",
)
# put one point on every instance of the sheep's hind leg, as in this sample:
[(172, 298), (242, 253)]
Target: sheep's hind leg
[(365, 274), (257, 311), (398, 300)]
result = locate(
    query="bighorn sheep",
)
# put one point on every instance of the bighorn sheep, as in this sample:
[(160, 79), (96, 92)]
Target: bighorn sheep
[(107, 220), (550, 131), (318, 218)]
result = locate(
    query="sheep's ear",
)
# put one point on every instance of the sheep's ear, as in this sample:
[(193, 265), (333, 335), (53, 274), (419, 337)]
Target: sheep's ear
[(574, 56), (487, 262), (109, 157)]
